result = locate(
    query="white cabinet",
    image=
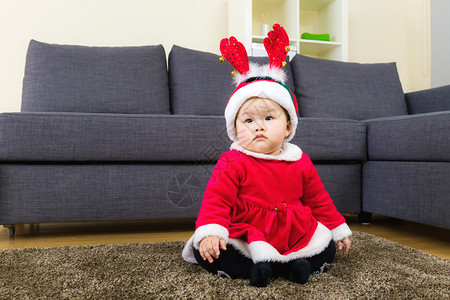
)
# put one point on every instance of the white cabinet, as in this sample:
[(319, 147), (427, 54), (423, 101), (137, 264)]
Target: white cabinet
[(246, 19)]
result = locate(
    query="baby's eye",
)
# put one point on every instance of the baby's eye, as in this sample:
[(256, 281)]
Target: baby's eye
[(248, 121), (268, 118)]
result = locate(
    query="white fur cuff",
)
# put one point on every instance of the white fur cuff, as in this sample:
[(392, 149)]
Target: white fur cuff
[(341, 232), (207, 230)]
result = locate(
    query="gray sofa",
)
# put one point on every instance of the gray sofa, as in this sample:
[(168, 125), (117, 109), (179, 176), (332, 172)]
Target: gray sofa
[(117, 133), (406, 173)]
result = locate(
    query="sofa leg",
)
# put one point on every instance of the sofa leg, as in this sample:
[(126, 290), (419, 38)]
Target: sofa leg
[(11, 229), (365, 218)]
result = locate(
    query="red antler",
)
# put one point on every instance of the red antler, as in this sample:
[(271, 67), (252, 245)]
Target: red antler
[(277, 45), (235, 53)]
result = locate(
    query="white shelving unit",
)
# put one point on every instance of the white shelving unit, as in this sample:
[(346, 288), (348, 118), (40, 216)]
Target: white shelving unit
[(245, 20)]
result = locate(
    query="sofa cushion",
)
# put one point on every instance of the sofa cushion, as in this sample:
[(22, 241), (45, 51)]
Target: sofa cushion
[(328, 139), (345, 191), (333, 89), (63, 78), (109, 137), (200, 84), (39, 193), (422, 137), (77, 137)]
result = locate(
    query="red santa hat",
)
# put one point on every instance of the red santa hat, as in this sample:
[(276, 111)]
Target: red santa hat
[(252, 80)]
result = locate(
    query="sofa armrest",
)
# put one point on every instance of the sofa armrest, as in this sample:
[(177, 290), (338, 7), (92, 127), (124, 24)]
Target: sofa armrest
[(419, 138), (430, 100)]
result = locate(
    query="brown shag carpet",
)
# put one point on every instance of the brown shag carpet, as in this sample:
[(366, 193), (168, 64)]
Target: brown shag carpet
[(375, 268)]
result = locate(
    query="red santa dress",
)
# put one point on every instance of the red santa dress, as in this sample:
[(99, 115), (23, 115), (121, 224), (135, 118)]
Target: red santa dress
[(271, 208)]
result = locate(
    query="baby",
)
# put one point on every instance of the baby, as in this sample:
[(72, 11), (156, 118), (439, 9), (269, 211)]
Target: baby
[(265, 213)]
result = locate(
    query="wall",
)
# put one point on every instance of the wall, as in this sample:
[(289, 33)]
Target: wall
[(440, 42), (398, 31), (195, 24), (376, 34)]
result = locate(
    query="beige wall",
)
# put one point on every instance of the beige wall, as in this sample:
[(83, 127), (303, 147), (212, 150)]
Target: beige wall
[(377, 34), (195, 24), (386, 30)]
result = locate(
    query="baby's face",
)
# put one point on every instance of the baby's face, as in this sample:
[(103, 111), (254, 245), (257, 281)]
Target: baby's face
[(262, 126)]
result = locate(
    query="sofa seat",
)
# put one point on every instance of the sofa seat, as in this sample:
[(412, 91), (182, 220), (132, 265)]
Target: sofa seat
[(97, 166), (406, 175), (90, 137), (414, 191), (75, 192), (420, 137), (108, 137), (330, 139)]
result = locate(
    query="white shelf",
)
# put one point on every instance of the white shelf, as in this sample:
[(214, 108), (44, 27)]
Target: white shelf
[(317, 48), (297, 17), (308, 47)]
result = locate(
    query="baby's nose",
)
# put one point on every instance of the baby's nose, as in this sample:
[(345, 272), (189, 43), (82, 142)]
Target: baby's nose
[(259, 127)]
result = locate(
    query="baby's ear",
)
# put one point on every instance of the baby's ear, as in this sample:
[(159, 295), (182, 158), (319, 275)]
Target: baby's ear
[(288, 128)]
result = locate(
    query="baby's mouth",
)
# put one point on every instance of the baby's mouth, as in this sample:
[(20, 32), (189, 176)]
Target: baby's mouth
[(260, 137)]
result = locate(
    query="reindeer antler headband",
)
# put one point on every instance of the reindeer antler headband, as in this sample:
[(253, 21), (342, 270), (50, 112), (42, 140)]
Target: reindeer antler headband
[(276, 44), (252, 80)]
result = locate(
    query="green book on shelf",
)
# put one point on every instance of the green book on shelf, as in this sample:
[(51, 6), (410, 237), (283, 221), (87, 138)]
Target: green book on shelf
[(317, 37)]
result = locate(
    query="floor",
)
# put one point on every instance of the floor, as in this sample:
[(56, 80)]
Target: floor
[(426, 238)]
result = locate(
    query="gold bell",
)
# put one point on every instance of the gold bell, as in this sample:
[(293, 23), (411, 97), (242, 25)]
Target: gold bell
[(221, 59), (283, 64), (233, 73), (287, 48)]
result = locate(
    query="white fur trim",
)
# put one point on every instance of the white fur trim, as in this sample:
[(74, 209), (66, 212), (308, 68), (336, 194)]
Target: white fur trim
[(241, 246), (290, 152), (341, 232), (262, 251), (263, 89), (255, 70), (188, 251), (200, 234), (207, 230)]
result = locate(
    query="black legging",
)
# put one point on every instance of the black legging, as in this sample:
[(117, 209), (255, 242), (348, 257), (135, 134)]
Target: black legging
[(231, 263)]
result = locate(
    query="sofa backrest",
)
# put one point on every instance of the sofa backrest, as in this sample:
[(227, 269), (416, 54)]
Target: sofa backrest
[(64, 78), (200, 84), (333, 89)]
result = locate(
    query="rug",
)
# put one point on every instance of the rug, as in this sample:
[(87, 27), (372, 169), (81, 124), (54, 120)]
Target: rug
[(375, 268)]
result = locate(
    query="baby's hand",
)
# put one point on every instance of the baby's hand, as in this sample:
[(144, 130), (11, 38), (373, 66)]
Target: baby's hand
[(346, 241), (209, 247)]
